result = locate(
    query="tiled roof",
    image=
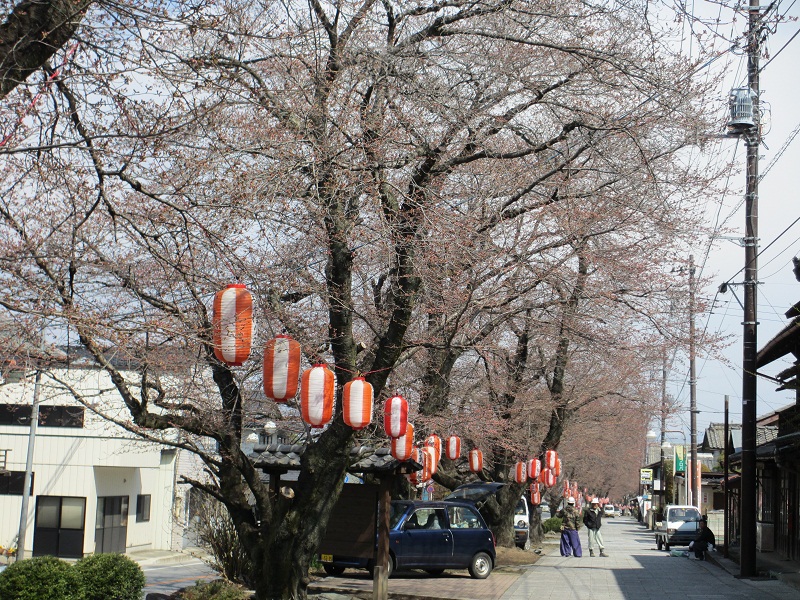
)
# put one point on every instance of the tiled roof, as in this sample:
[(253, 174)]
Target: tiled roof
[(714, 438), (766, 434), (286, 457)]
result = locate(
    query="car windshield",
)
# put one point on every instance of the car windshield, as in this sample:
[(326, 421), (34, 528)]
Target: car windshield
[(684, 514), (521, 507)]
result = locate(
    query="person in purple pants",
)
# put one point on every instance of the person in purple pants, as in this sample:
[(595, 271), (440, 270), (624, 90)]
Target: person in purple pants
[(570, 524)]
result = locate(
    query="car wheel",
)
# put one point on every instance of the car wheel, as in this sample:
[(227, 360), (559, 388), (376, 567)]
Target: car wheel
[(659, 543), (389, 570), (434, 571), (333, 570), (480, 566)]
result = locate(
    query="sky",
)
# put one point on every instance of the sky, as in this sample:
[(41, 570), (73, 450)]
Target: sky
[(778, 229)]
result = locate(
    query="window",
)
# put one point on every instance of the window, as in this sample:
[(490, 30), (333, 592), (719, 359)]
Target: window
[(142, 508), (15, 414), (12, 483), (61, 416), (49, 416), (463, 517)]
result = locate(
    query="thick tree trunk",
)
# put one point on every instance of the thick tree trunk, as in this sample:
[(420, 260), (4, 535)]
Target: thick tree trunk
[(32, 33)]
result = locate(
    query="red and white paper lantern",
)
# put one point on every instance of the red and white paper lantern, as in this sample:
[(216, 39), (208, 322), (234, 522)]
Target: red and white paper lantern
[(550, 458), (395, 416), (429, 462), (521, 472), (316, 395), (357, 403), (475, 461), (534, 468), (548, 478), (453, 447), (435, 442), (281, 371), (232, 324), (536, 495), (414, 476), (403, 446)]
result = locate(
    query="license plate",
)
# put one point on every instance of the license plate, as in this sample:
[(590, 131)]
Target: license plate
[(326, 557)]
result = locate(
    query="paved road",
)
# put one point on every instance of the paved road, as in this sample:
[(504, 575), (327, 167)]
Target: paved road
[(635, 570), (169, 578)]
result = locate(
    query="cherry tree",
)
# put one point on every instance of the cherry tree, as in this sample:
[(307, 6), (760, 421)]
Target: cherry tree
[(469, 201)]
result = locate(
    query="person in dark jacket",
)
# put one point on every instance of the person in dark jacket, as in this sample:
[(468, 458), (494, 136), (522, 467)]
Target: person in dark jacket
[(704, 541), (570, 524), (593, 519)]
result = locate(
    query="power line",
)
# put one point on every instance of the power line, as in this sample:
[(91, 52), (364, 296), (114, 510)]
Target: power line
[(774, 56)]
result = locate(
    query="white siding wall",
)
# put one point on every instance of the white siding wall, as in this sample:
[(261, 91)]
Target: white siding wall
[(101, 459)]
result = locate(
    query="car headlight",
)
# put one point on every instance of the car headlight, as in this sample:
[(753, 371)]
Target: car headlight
[(521, 524)]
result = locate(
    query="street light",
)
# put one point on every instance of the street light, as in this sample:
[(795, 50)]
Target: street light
[(666, 446)]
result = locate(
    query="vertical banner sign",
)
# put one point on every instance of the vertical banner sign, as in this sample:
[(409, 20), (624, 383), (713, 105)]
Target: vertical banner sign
[(680, 459), (646, 476)]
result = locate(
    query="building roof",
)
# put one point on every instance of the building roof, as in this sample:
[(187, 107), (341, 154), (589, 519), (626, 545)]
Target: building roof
[(281, 458), (714, 438), (765, 434), (786, 342)]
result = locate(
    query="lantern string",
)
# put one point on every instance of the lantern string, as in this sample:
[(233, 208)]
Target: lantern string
[(38, 95)]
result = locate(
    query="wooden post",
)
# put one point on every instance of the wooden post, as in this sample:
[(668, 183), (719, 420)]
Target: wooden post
[(380, 574)]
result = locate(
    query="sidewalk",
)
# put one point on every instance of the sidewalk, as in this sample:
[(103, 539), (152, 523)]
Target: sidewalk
[(769, 564), (149, 558), (635, 570)]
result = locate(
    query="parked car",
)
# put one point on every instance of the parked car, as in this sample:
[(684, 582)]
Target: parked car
[(608, 511), (432, 536), (478, 492), (677, 527)]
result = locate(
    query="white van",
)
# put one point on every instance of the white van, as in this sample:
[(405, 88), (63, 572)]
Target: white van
[(522, 524), (677, 527)]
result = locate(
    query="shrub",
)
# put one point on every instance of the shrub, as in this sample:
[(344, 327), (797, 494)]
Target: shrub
[(214, 590), (216, 533), (109, 577), (39, 578), (552, 524)]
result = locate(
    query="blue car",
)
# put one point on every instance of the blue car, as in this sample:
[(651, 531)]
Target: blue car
[(432, 536)]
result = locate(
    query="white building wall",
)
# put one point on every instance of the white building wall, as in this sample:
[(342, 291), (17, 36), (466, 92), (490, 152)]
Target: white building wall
[(100, 459)]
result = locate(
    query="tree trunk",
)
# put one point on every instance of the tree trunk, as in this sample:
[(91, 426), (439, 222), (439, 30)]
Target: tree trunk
[(32, 33)]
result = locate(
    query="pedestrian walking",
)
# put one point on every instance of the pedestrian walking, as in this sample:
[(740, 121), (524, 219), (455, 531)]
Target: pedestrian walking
[(593, 519), (570, 524), (704, 541)]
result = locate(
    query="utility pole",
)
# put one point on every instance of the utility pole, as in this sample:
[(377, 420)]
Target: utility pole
[(752, 136), (691, 468), (726, 517), (26, 490), (663, 475)]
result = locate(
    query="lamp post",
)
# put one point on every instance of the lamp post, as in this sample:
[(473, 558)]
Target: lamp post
[(666, 446)]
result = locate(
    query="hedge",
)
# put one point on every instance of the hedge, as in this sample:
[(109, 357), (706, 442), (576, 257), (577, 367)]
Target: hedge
[(94, 577)]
